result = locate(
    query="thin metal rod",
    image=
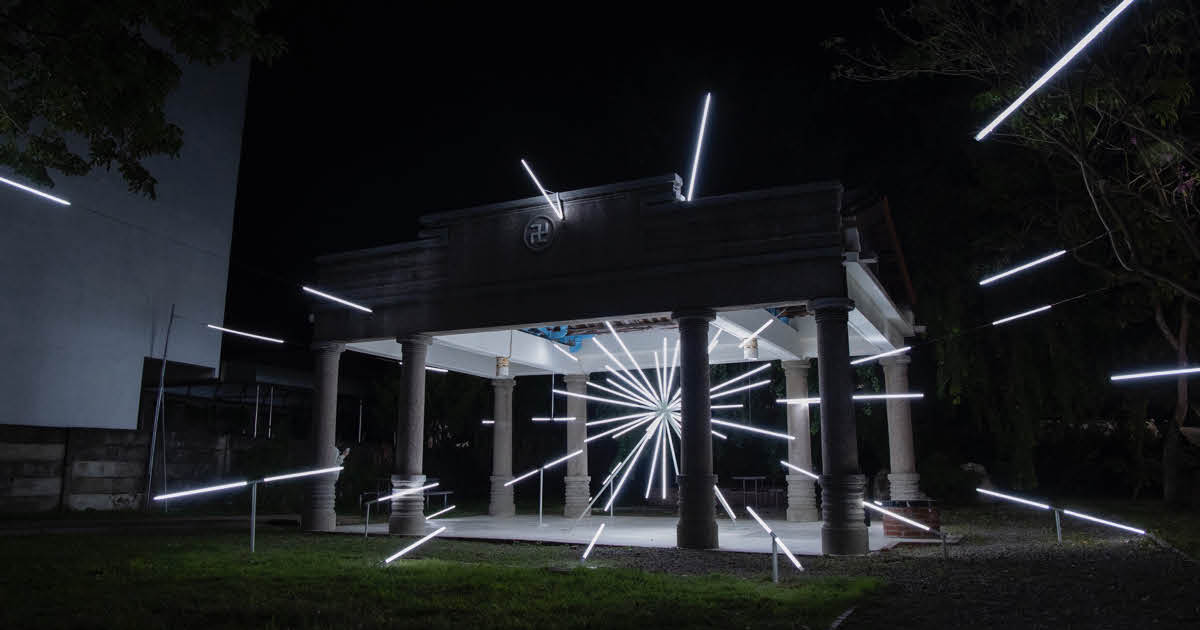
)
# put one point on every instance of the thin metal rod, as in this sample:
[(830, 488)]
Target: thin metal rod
[(541, 476), (257, 392), (367, 522), (360, 420), (1058, 524), (774, 558), (271, 411), (162, 375), (253, 512)]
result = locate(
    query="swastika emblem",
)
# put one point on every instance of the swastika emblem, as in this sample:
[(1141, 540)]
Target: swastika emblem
[(539, 233)]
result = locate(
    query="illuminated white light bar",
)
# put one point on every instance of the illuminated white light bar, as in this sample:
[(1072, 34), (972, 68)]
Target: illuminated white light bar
[(740, 389), (307, 473), (598, 399), (413, 546), (699, 143), (562, 459), (1012, 498), (236, 484), (724, 503), (716, 338), (754, 334), (725, 407), (1055, 68), (746, 427), (740, 377), (798, 469), (786, 551), (897, 516), (487, 421), (1127, 377), (881, 355), (720, 435), (815, 400), (543, 190), (436, 369), (554, 419), (1104, 522), (439, 512), (512, 481), (405, 492), (558, 346), (595, 537), (1032, 263), (245, 334), (1020, 315), (337, 299), (36, 192)]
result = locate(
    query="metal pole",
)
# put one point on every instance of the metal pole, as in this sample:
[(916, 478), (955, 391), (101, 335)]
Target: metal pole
[(360, 421), (253, 512), (612, 496), (257, 391), (541, 474), (270, 411), (162, 375), (1058, 525), (163, 420), (367, 522), (945, 550), (774, 558)]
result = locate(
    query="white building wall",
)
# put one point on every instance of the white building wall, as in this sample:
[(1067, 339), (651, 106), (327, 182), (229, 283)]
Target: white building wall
[(85, 289)]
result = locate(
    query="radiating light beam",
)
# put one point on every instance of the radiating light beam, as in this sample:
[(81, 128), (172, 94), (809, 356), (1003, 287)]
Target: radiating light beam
[(558, 346), (440, 512), (436, 369), (1087, 517), (1020, 315), (740, 377), (754, 334), (245, 334), (817, 400), (413, 546), (724, 503), (36, 192), (403, 493), (1137, 375), (632, 458), (699, 144), (643, 419), (617, 419), (598, 399), (224, 486), (713, 344), (1018, 269), (562, 459), (488, 421), (746, 427), (554, 419), (545, 194), (339, 300), (896, 516), (786, 551), (306, 473), (881, 355), (1012, 498), (632, 361), (740, 389), (658, 442), (1054, 69), (591, 544), (515, 480), (798, 469), (623, 393), (725, 406)]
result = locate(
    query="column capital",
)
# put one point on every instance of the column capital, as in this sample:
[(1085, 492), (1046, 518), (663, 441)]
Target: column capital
[(575, 378), (706, 314), (802, 364), (830, 307), (415, 338), (328, 346), (504, 383)]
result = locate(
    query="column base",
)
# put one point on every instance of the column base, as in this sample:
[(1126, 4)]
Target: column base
[(408, 512), (697, 527), (802, 499), (843, 532), (500, 502), (318, 514), (905, 487), (578, 495)]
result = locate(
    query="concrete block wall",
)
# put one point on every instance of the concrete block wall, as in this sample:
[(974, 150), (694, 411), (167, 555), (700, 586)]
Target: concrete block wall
[(31, 468)]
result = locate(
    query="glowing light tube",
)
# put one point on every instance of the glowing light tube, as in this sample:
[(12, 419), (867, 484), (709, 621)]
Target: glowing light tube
[(430, 368), (598, 399), (439, 512), (724, 503), (816, 400), (555, 419), (617, 419), (562, 459), (185, 493), (632, 423), (754, 334), (1054, 69), (337, 299), (1020, 315), (487, 421), (1032, 263), (245, 334), (1129, 377), (35, 192), (746, 427), (896, 516), (699, 144), (413, 546), (558, 346), (512, 481), (798, 469), (725, 406), (786, 551), (405, 492), (881, 355), (557, 209), (1012, 498), (595, 537), (307, 473), (740, 389), (1127, 528), (740, 377)]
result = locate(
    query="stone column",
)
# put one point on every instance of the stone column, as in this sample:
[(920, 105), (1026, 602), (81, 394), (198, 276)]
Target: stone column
[(501, 501), (697, 528), (318, 515), (578, 482), (843, 531), (408, 512), (802, 489), (903, 480)]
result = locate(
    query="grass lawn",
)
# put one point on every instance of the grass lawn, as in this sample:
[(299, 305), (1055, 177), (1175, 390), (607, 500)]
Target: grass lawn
[(208, 580)]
